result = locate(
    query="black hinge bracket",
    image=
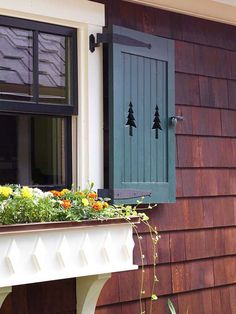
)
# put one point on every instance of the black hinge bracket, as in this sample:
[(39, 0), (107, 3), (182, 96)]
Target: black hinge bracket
[(105, 38), (118, 194)]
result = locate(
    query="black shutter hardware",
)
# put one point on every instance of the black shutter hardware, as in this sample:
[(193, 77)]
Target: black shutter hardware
[(116, 194), (105, 37)]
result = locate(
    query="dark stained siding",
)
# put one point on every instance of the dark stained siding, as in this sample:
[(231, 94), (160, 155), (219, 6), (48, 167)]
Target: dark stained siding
[(197, 250), (44, 298)]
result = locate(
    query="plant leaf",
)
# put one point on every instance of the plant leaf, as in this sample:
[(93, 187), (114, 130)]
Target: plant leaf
[(171, 307)]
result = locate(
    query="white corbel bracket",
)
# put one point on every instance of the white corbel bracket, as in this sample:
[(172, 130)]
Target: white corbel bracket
[(88, 289), (4, 293)]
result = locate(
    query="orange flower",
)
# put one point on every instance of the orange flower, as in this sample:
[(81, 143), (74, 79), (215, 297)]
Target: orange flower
[(66, 204), (97, 206), (56, 193), (92, 195)]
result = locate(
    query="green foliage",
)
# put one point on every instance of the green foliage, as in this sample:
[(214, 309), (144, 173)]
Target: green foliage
[(26, 205), (171, 307)]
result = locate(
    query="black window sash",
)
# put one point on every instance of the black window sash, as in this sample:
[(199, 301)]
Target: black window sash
[(34, 106)]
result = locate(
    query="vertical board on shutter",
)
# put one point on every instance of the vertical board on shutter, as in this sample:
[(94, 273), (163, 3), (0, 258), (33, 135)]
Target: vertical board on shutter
[(143, 77)]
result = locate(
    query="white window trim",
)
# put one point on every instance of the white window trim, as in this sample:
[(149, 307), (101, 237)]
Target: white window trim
[(87, 128)]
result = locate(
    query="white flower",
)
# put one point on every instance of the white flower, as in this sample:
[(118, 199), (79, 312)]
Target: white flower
[(37, 192), (48, 194), (3, 205)]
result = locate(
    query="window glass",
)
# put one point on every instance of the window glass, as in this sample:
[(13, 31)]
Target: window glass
[(53, 68), (32, 150), (16, 63), (48, 151), (8, 149)]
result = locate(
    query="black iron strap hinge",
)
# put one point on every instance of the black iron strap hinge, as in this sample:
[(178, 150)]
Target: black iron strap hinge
[(118, 194), (106, 38)]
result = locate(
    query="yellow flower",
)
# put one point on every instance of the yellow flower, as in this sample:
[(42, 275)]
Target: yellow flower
[(64, 191), (105, 205), (85, 201), (6, 191), (26, 192)]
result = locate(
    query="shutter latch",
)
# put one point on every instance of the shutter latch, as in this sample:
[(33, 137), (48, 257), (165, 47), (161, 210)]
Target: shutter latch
[(118, 194), (104, 38), (175, 119)]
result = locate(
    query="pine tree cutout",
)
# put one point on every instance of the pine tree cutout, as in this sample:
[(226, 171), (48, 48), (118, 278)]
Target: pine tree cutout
[(157, 123), (130, 122)]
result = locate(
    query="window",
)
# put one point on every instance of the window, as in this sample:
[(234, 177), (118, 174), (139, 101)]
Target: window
[(38, 96), (37, 67)]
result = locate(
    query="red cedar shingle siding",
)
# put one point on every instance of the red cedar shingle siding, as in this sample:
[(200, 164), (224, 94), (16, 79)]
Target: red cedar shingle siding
[(197, 262)]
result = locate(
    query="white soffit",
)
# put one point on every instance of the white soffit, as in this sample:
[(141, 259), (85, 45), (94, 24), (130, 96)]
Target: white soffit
[(223, 11), (73, 11), (229, 2)]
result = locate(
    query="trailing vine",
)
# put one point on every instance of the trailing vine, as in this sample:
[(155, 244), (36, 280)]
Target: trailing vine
[(154, 236)]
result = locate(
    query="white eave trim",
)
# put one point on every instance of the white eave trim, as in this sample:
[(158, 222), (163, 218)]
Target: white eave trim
[(229, 2), (223, 11), (82, 11)]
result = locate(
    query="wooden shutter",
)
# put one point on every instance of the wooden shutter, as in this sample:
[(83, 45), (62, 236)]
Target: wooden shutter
[(141, 77)]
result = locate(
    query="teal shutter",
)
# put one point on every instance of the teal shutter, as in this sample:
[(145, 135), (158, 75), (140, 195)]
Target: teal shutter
[(142, 78)]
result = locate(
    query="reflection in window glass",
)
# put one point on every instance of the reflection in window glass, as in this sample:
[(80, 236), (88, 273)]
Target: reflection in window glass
[(48, 149), (16, 63), (53, 68), (8, 149), (32, 150)]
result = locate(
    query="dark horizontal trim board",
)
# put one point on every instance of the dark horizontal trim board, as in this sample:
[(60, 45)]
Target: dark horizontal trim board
[(30, 108), (62, 225)]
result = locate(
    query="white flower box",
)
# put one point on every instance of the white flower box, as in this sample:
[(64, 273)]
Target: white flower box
[(31, 253)]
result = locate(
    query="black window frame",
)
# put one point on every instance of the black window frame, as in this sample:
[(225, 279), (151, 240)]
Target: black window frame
[(66, 111), (34, 107)]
